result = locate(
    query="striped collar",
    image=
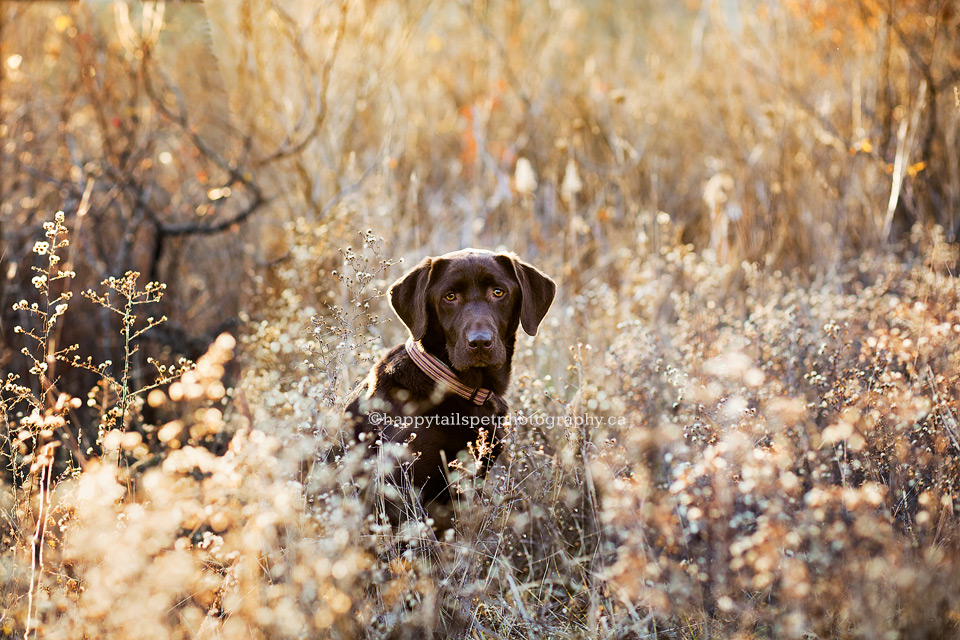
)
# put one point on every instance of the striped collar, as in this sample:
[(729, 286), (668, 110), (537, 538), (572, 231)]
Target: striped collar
[(440, 372)]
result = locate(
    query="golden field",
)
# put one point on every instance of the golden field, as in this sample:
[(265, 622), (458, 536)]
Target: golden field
[(738, 420)]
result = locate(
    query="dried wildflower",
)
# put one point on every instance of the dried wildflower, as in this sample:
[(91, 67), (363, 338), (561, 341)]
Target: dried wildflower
[(571, 185), (524, 177)]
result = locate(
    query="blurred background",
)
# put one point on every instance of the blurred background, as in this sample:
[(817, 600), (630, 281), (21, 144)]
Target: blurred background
[(750, 208), (232, 147)]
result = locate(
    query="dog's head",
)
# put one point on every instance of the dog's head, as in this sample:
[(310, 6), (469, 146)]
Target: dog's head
[(477, 299)]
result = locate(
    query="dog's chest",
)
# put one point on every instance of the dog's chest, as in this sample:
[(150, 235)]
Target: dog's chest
[(449, 426)]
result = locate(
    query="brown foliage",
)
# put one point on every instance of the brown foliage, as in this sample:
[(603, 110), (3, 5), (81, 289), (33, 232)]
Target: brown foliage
[(739, 418)]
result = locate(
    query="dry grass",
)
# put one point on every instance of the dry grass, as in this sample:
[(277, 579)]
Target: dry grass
[(738, 420)]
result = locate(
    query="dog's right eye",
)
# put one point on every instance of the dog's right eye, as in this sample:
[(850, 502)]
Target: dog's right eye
[(450, 297)]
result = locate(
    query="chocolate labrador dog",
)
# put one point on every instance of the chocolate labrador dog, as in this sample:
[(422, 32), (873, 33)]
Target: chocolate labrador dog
[(442, 391)]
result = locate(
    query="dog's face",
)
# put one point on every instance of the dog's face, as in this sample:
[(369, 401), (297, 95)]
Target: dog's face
[(477, 299)]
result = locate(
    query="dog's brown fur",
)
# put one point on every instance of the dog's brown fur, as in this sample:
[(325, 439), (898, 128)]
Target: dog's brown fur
[(474, 334)]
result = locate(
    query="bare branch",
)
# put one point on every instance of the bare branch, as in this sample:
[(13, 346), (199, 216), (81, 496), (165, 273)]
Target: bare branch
[(287, 151)]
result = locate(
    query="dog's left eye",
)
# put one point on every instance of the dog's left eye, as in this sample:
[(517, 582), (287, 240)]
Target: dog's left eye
[(498, 293)]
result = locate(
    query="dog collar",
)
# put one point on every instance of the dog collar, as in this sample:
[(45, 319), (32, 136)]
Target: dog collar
[(440, 372)]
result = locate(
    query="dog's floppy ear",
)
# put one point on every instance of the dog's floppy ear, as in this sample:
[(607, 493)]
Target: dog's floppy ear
[(408, 297), (536, 292)]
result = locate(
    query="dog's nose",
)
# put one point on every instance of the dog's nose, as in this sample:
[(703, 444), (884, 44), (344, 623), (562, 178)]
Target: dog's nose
[(480, 339)]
